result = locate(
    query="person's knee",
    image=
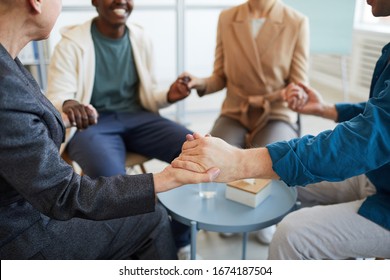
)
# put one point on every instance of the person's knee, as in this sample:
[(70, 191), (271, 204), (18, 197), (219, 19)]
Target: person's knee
[(162, 235), (159, 221), (162, 215), (288, 239), (154, 222)]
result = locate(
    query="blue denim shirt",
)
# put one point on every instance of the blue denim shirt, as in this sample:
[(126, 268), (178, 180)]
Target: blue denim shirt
[(359, 144)]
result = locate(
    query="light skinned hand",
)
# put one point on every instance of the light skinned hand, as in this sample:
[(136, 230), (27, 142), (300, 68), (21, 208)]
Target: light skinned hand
[(295, 96), (194, 82), (171, 178), (202, 154), (315, 104)]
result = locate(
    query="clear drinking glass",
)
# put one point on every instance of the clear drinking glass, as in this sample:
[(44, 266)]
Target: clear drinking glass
[(207, 190)]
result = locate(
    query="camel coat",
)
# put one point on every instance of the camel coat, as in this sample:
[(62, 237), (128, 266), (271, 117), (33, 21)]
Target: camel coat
[(254, 71)]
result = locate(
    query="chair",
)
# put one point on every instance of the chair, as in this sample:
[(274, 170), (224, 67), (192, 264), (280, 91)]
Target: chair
[(299, 126), (132, 160)]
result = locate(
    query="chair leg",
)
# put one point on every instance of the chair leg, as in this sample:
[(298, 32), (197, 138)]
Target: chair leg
[(66, 158), (143, 169)]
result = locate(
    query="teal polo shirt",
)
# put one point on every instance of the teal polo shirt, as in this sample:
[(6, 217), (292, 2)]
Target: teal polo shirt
[(116, 79)]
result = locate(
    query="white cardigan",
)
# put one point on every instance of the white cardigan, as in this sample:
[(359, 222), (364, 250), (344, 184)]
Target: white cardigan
[(72, 69)]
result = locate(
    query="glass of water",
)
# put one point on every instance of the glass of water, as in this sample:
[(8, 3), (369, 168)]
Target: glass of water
[(207, 190)]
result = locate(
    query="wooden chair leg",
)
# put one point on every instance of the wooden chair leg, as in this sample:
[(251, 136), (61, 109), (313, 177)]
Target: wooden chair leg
[(143, 169)]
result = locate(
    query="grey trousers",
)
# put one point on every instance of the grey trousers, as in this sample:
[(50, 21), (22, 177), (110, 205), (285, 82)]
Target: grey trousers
[(328, 226), (146, 236), (234, 133)]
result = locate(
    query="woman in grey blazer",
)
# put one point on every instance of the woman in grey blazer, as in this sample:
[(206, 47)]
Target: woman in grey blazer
[(46, 209)]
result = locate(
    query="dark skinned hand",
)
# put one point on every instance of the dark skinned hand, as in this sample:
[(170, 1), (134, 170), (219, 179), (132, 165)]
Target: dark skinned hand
[(80, 115), (179, 90)]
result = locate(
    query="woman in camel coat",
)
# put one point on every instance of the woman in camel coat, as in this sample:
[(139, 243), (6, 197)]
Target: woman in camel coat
[(262, 47)]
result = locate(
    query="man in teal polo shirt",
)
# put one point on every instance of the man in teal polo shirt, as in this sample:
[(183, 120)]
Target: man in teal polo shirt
[(101, 79)]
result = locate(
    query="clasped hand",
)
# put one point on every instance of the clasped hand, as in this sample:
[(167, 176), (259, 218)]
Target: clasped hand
[(79, 115), (178, 90), (203, 154), (303, 99)]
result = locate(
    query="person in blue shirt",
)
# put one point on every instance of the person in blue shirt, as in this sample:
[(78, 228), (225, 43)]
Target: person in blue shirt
[(346, 173)]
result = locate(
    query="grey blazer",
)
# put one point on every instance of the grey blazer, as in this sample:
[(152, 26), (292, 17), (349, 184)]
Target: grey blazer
[(36, 185)]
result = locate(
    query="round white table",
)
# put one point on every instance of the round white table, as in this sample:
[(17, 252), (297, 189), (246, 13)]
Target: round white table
[(222, 215)]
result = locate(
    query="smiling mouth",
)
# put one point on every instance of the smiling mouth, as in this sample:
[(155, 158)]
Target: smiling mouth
[(120, 12)]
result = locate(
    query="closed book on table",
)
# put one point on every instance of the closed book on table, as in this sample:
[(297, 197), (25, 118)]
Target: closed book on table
[(250, 192)]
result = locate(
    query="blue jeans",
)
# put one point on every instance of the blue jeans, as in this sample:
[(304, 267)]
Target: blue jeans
[(100, 150)]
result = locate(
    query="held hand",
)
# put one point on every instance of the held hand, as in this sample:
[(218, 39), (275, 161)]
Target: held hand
[(313, 104), (65, 120), (295, 96), (179, 90), (79, 115), (194, 82), (202, 154), (171, 178)]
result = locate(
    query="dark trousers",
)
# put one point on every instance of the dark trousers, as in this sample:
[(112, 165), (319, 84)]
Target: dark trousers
[(100, 150), (146, 236)]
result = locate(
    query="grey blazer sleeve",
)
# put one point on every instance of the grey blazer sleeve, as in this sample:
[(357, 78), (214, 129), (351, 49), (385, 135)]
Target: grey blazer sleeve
[(31, 133)]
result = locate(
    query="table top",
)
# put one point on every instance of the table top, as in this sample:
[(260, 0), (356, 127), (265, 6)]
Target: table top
[(222, 215)]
